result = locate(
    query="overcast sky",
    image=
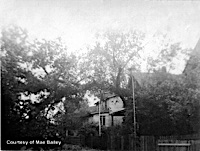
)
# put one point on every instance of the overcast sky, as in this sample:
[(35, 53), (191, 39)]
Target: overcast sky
[(76, 21)]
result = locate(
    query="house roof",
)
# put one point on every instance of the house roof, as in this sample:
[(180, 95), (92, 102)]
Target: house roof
[(143, 78), (119, 112), (194, 59), (105, 97), (95, 110), (92, 109)]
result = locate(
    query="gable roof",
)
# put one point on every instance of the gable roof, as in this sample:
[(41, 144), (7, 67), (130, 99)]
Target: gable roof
[(95, 110), (194, 59), (142, 79), (106, 96)]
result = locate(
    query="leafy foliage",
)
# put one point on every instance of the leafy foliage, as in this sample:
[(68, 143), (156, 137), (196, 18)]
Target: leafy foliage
[(111, 56), (41, 68), (166, 106)]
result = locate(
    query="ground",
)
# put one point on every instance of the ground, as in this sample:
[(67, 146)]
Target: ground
[(65, 147)]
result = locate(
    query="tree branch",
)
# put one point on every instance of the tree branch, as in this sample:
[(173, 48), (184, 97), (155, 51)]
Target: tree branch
[(45, 70)]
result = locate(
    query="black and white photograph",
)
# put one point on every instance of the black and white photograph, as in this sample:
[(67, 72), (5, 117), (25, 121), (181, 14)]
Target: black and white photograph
[(100, 75)]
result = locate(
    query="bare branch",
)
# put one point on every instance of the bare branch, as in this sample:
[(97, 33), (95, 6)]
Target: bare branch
[(45, 70)]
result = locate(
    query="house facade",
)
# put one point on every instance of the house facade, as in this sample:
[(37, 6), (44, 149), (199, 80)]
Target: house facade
[(111, 111)]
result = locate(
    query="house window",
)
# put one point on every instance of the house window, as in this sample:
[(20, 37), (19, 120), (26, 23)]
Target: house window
[(103, 120)]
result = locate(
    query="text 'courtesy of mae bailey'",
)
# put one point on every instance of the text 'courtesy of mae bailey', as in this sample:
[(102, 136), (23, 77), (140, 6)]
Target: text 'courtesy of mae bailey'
[(34, 142)]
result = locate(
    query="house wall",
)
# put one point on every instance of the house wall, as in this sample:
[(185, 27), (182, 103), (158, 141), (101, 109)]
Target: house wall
[(95, 119), (115, 104), (117, 120)]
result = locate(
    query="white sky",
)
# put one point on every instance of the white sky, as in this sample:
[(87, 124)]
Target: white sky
[(76, 21)]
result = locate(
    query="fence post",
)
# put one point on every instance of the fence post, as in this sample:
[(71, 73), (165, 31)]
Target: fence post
[(142, 143), (156, 143), (122, 142), (134, 143), (108, 142), (91, 141), (130, 142), (111, 143), (82, 140)]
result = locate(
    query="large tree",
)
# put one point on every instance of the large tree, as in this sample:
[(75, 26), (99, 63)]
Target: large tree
[(36, 75), (44, 70), (109, 59)]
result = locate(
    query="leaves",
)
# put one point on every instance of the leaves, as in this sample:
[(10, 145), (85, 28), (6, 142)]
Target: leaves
[(113, 53), (165, 99), (34, 68), (46, 70)]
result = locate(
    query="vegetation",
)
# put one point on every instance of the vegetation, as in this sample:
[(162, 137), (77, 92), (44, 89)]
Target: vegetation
[(38, 76), (166, 106)]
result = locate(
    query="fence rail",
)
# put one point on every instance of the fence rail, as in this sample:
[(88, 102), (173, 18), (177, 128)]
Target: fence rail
[(73, 140), (179, 143), (142, 143)]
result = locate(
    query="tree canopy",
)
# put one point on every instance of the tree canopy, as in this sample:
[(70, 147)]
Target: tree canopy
[(35, 68), (37, 75)]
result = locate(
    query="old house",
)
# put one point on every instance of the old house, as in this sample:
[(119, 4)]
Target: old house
[(110, 109)]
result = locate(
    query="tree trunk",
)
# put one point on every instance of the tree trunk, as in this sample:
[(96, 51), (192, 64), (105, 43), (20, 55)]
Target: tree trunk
[(118, 79)]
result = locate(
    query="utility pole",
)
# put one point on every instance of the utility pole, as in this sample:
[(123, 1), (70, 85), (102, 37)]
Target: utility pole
[(100, 113), (134, 109), (134, 114)]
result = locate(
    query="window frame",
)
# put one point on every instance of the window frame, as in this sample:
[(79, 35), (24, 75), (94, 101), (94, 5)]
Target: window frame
[(103, 120)]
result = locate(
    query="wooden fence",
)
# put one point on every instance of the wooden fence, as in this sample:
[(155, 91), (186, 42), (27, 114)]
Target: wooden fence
[(123, 143), (179, 143), (143, 143), (74, 140), (148, 143)]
